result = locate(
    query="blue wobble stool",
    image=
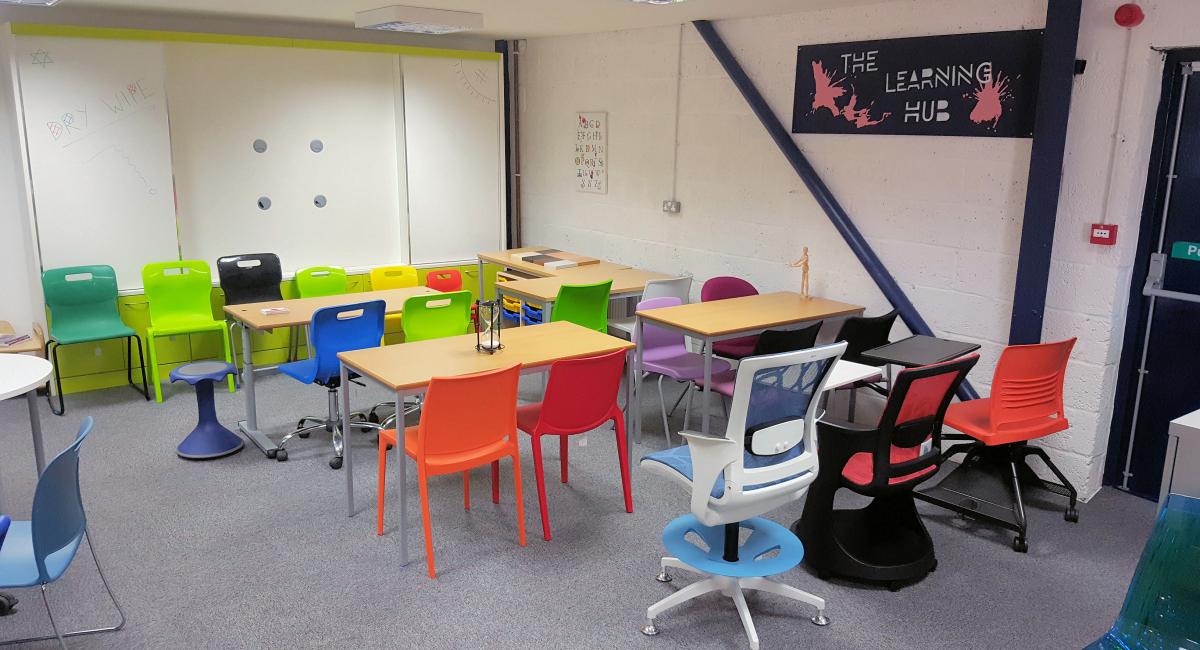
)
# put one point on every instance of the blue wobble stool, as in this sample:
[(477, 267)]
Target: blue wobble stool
[(766, 459), (209, 439)]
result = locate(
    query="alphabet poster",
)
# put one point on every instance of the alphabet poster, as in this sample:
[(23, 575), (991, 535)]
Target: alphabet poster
[(966, 84), (591, 152)]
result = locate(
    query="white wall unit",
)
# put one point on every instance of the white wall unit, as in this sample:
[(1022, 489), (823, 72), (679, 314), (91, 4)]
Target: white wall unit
[(454, 137), (99, 152), (224, 97)]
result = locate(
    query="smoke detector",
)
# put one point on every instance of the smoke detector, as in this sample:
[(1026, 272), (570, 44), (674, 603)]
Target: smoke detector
[(419, 20)]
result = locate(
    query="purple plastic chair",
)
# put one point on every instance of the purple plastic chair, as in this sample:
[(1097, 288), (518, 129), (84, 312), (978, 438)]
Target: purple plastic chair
[(721, 288), (665, 354)]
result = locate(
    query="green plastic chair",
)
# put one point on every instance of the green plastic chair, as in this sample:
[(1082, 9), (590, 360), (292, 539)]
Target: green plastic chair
[(317, 281), (180, 297), (82, 301), (437, 315), (1164, 597), (583, 304)]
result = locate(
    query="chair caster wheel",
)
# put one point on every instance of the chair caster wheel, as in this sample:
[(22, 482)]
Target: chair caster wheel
[(820, 620), (933, 567), (8, 604), (1071, 515), (304, 435), (649, 630), (1020, 545), (335, 462), (281, 455), (663, 576), (271, 453)]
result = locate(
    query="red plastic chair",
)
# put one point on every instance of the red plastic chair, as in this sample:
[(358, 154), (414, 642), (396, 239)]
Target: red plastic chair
[(581, 394), (444, 280), (722, 288), (466, 422), (1026, 404)]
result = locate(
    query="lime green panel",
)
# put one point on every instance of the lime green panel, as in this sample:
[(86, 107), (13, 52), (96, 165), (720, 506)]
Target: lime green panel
[(74, 31)]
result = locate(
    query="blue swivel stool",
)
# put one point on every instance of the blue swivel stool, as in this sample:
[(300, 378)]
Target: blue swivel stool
[(209, 439)]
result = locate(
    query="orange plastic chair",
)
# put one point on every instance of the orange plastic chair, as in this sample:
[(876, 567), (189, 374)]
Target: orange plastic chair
[(1026, 403), (466, 422), (581, 394)]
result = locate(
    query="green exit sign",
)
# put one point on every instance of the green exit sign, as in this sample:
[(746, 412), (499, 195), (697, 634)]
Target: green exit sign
[(1186, 250)]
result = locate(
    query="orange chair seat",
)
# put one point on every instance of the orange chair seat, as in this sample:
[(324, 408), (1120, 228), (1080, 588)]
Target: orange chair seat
[(974, 419), (860, 469), (447, 463)]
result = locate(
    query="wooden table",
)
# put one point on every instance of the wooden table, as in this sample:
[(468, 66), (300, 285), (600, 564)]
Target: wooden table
[(300, 312), (720, 320), (32, 345), (407, 368), (626, 283), (506, 260), (23, 374)]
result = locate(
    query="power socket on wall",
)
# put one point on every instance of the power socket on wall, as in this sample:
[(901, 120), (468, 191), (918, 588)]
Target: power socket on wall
[(671, 206)]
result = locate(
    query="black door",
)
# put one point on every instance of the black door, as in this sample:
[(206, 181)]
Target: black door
[(1160, 367)]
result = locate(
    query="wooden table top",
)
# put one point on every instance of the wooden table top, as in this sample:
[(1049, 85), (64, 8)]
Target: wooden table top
[(300, 310), (505, 258), (546, 289), (31, 345), (412, 365), (748, 313)]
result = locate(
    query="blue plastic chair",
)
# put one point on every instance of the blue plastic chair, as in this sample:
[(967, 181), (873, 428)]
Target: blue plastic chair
[(39, 551), (1164, 598), (334, 329)]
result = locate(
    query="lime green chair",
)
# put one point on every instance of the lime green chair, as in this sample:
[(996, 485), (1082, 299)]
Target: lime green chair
[(437, 315), (82, 301), (317, 281), (583, 304), (180, 297)]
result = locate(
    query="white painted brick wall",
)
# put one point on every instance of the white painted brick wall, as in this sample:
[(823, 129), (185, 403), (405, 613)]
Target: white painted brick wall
[(944, 214)]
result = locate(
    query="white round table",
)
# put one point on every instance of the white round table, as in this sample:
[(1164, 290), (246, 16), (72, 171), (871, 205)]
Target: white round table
[(22, 373)]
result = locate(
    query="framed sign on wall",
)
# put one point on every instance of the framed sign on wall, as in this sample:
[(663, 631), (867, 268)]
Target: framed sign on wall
[(965, 84), (591, 152)]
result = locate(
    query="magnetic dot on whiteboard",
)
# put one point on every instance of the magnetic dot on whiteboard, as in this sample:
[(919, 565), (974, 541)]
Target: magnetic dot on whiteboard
[(260, 145), (264, 203), (319, 200), (317, 146)]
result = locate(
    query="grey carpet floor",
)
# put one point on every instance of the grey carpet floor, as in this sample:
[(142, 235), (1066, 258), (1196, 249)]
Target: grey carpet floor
[(246, 552)]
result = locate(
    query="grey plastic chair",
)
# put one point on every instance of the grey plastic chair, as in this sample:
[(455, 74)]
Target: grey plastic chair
[(680, 287)]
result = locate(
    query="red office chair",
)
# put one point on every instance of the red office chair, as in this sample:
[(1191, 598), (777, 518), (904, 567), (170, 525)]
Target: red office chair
[(722, 288), (581, 394), (886, 540), (1026, 403)]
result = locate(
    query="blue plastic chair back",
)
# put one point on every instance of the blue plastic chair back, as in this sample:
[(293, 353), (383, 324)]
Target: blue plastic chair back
[(1163, 601), (58, 521), (343, 328)]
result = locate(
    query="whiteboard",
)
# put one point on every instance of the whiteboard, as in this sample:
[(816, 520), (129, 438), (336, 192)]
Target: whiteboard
[(225, 97), (99, 153), (454, 140)]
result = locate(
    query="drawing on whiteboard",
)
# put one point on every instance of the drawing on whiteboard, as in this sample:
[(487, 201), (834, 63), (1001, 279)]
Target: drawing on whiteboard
[(42, 58), (129, 161), (70, 122), (132, 96), (477, 79)]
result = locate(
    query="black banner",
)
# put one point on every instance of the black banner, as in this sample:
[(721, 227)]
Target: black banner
[(965, 84)]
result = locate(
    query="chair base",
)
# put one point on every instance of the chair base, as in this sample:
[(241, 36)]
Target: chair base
[(884, 542), (209, 440), (733, 588), (332, 422), (989, 477)]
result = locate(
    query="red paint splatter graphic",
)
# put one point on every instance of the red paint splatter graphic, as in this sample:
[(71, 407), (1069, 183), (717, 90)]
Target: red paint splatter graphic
[(828, 90), (989, 98)]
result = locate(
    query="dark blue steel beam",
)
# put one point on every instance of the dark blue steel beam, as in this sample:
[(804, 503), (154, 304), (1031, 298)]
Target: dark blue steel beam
[(829, 204), (1045, 170)]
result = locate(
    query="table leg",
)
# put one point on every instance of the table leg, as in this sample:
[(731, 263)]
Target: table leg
[(35, 425), (481, 280), (402, 484), (629, 401), (347, 457), (636, 405), (249, 426), (708, 358)]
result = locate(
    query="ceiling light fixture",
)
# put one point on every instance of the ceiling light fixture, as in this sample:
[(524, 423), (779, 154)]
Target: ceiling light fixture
[(418, 20)]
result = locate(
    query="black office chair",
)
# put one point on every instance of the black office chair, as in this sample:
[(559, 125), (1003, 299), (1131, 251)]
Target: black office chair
[(885, 541), (251, 277), (862, 333)]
